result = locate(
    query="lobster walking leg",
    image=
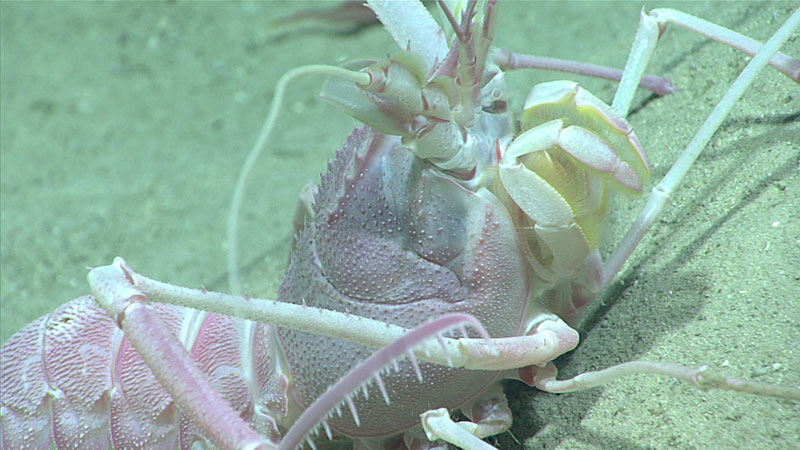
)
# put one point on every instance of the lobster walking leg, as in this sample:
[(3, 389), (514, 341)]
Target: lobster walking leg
[(166, 357), (549, 339), (662, 192), (653, 24)]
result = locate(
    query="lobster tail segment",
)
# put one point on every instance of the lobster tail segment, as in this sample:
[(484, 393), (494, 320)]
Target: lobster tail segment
[(24, 413), (56, 380), (73, 380)]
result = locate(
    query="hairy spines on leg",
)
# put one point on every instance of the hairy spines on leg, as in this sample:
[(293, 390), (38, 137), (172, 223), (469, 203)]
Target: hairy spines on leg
[(368, 371)]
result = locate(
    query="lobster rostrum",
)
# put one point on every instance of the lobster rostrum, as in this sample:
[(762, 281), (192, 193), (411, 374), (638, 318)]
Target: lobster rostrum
[(446, 205)]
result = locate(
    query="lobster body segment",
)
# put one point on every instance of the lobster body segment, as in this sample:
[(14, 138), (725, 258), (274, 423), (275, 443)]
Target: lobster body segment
[(72, 379)]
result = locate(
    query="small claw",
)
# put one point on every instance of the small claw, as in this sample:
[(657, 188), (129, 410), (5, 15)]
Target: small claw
[(439, 426)]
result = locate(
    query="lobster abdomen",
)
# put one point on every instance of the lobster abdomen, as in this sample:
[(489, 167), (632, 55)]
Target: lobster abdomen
[(72, 378)]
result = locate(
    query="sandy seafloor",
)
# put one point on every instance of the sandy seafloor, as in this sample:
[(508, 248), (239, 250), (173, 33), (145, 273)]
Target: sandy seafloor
[(124, 126)]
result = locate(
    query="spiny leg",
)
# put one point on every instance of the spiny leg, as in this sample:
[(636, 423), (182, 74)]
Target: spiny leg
[(170, 362), (786, 65), (118, 286), (652, 26), (115, 290), (667, 186), (369, 371), (544, 378), (551, 338)]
